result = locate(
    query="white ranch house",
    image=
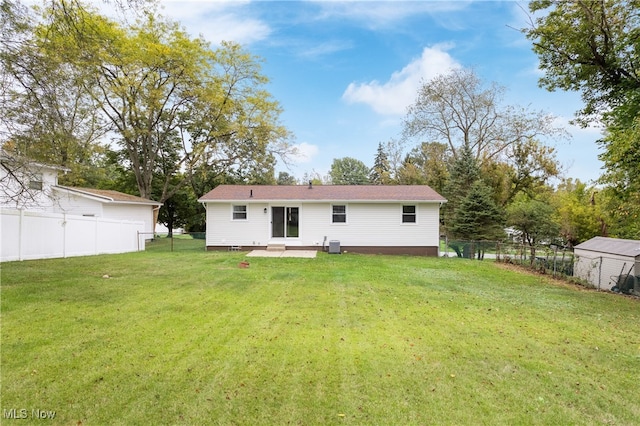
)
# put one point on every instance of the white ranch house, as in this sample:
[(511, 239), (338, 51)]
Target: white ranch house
[(402, 219)]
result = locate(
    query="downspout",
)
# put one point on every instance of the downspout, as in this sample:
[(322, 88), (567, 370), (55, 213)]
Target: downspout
[(156, 213), (64, 235)]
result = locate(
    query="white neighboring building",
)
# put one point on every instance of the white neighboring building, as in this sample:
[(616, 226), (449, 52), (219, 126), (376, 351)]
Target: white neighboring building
[(108, 204), (41, 219), (27, 185), (392, 219), (601, 260)]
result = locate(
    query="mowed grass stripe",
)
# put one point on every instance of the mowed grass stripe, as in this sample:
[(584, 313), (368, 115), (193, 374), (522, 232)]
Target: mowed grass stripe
[(188, 337)]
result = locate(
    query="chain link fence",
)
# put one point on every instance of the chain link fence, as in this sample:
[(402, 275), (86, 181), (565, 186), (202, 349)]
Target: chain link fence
[(551, 259), (188, 241)]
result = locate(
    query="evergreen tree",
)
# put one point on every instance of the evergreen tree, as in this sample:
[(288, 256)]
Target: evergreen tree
[(380, 172), (477, 218), (464, 172)]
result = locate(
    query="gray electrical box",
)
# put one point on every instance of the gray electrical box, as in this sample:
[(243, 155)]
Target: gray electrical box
[(334, 247)]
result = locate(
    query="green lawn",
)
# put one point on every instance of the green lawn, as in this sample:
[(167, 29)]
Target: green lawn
[(187, 337)]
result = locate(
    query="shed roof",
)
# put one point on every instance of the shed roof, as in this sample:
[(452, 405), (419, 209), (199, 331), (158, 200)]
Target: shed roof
[(612, 246), (108, 196), (413, 193)]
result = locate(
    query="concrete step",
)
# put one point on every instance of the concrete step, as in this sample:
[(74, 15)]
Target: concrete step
[(276, 247)]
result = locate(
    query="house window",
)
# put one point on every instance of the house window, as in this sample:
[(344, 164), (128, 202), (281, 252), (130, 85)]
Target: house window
[(339, 214), (36, 182), (408, 214), (239, 212)]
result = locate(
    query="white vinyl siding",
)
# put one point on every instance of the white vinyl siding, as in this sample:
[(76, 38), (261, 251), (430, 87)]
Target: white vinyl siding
[(75, 204), (409, 214), (135, 212), (339, 214), (38, 198), (368, 224), (372, 224), (251, 232), (239, 212)]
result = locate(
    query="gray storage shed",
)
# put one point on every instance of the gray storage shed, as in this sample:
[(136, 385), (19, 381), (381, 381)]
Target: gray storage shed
[(601, 260)]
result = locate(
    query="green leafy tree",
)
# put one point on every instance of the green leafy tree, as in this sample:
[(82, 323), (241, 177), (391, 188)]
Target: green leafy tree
[(316, 178), (535, 220), (46, 114), (181, 210), (580, 212), (621, 158), (169, 96), (349, 171), (592, 47), (622, 212), (285, 178), (426, 164), (532, 165)]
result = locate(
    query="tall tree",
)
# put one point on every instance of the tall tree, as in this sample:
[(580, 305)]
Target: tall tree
[(530, 168), (535, 220), (349, 171), (169, 96), (464, 172), (477, 217), (581, 214), (621, 158), (285, 178), (592, 47), (426, 164), (457, 109), (46, 115), (380, 173)]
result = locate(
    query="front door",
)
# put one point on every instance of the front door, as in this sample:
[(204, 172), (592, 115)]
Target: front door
[(284, 222)]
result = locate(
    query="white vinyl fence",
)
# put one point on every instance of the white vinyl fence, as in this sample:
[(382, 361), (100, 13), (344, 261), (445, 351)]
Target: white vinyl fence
[(38, 235)]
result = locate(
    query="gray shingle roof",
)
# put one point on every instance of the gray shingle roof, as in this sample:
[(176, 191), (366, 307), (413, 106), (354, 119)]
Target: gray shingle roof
[(415, 193), (612, 246)]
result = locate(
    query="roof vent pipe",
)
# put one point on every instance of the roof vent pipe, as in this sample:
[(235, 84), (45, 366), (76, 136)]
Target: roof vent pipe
[(310, 184), (251, 193)]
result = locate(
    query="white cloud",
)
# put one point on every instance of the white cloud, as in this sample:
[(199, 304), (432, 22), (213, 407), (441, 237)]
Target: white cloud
[(323, 49), (217, 21), (303, 153), (375, 14), (394, 96)]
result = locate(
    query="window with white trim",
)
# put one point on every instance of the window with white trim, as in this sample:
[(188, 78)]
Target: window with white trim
[(339, 213), (239, 212), (408, 214)]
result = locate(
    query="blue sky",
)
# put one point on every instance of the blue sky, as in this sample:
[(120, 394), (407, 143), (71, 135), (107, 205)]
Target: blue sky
[(344, 72)]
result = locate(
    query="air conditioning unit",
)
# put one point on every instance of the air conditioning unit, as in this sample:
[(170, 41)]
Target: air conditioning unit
[(334, 247)]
